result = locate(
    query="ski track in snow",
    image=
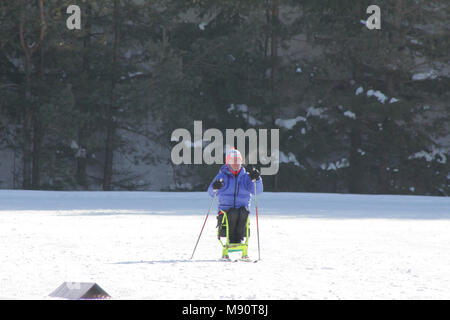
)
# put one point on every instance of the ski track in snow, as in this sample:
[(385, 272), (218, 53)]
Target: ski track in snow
[(137, 245)]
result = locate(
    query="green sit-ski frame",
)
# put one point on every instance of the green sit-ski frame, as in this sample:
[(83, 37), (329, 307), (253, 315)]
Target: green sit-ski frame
[(233, 247)]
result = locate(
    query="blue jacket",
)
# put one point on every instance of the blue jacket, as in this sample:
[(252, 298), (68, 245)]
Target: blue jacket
[(236, 191)]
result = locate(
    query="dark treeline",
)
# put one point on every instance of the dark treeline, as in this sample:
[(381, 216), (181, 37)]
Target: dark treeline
[(359, 110)]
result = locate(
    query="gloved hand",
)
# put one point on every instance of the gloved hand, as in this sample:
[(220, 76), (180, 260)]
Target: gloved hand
[(254, 174), (218, 184)]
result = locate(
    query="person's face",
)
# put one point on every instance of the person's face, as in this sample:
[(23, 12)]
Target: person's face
[(235, 163)]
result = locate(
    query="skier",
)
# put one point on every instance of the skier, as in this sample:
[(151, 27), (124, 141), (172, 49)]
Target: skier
[(234, 187)]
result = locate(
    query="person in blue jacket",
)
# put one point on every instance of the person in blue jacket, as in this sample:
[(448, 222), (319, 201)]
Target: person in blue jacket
[(234, 188)]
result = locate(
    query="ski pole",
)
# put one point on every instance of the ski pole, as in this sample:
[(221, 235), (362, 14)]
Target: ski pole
[(215, 194), (257, 226)]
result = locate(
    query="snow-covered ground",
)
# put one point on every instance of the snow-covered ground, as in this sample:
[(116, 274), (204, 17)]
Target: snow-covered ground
[(137, 245)]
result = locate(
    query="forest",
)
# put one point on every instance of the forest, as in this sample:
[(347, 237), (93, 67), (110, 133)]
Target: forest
[(358, 110)]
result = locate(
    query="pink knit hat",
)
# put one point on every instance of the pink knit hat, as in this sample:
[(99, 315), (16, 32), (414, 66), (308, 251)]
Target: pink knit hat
[(233, 157)]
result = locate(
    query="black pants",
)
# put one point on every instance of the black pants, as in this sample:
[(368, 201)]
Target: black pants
[(237, 222)]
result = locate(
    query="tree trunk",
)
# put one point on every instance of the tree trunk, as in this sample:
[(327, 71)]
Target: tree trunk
[(109, 151), (81, 175), (274, 43), (383, 153), (28, 111), (81, 157), (37, 132), (274, 61), (27, 154), (110, 112), (356, 169), (27, 126), (266, 43), (37, 142)]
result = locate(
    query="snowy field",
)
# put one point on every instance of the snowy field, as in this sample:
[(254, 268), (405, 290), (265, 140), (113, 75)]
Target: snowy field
[(137, 245)]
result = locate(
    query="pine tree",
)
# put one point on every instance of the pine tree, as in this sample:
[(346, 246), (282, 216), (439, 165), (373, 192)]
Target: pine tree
[(373, 103)]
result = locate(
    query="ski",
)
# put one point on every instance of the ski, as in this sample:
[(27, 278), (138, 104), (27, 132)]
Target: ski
[(242, 260), (238, 260), (227, 260), (247, 260)]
